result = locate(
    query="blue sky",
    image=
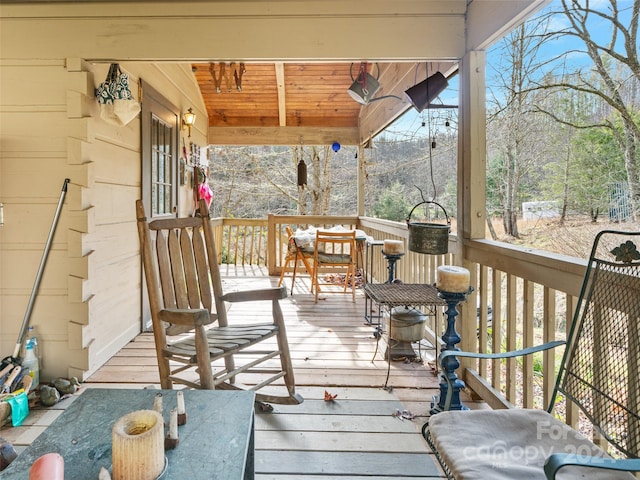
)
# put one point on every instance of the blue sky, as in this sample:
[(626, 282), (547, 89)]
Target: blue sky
[(410, 125)]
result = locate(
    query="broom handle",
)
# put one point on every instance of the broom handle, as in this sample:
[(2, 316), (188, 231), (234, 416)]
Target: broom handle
[(43, 261)]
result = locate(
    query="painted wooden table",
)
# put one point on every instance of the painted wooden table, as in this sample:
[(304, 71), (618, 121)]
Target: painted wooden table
[(216, 442)]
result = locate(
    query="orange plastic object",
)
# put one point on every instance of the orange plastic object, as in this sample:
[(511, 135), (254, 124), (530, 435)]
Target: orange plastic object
[(47, 467)]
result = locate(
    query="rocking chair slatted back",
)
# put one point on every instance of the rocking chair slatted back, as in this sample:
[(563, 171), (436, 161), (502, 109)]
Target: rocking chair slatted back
[(196, 345), (601, 368), (187, 262), (183, 266)]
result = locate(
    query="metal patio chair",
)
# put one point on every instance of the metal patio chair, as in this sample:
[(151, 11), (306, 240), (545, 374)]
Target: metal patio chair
[(600, 373)]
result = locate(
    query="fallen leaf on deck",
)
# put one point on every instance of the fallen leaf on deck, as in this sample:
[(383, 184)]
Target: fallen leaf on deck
[(264, 407), (328, 397), (404, 415)]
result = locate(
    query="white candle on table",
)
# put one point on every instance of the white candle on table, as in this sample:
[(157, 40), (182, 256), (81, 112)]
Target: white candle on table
[(393, 247), (157, 403), (137, 446), (452, 279), (182, 413), (172, 439)]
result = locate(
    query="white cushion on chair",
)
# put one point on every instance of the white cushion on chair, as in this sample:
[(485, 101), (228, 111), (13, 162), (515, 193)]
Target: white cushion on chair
[(510, 445)]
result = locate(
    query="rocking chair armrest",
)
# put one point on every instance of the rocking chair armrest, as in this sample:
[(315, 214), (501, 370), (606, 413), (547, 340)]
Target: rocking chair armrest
[(488, 356), (187, 316), (254, 295), (558, 460)]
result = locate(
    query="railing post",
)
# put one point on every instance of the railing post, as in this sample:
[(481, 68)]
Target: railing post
[(549, 335), (271, 245), (468, 323)]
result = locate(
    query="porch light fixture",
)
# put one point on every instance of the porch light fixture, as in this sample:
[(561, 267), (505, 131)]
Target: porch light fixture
[(188, 120), (425, 92)]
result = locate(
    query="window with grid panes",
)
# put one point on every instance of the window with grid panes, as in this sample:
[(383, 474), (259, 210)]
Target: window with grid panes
[(160, 152), (163, 162)]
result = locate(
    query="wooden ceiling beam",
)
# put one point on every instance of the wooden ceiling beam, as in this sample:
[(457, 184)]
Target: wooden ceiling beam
[(282, 135), (282, 105)]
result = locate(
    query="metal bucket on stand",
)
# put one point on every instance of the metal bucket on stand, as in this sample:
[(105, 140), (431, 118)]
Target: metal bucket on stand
[(406, 324), (429, 238)]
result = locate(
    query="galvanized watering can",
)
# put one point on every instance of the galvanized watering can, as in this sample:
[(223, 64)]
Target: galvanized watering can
[(364, 86)]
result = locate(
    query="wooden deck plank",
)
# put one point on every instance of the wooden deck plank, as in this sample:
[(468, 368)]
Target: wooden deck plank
[(298, 476), (340, 442), (369, 408), (326, 360), (327, 378), (148, 355), (330, 422), (385, 465), (350, 393)]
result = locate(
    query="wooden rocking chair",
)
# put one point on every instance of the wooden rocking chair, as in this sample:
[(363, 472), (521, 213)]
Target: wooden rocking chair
[(189, 314), (600, 373)]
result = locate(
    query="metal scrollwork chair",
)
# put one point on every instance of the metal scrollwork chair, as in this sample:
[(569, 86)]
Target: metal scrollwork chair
[(600, 373), (196, 344)]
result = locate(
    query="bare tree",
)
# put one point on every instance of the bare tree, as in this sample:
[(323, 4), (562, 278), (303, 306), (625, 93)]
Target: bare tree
[(511, 122), (317, 190), (254, 181), (614, 76)]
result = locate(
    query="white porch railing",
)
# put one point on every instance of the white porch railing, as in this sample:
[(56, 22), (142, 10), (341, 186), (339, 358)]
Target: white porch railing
[(522, 297)]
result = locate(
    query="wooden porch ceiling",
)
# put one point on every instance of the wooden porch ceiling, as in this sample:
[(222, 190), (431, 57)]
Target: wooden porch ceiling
[(283, 101), (279, 94)]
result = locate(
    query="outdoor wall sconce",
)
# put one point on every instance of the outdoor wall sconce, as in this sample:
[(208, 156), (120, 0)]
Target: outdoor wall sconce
[(188, 120), (425, 92)]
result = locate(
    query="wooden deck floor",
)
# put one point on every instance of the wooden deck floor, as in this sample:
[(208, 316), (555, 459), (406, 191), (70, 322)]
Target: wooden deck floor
[(356, 436)]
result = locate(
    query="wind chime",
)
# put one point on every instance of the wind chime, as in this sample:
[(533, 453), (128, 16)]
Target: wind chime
[(302, 167)]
